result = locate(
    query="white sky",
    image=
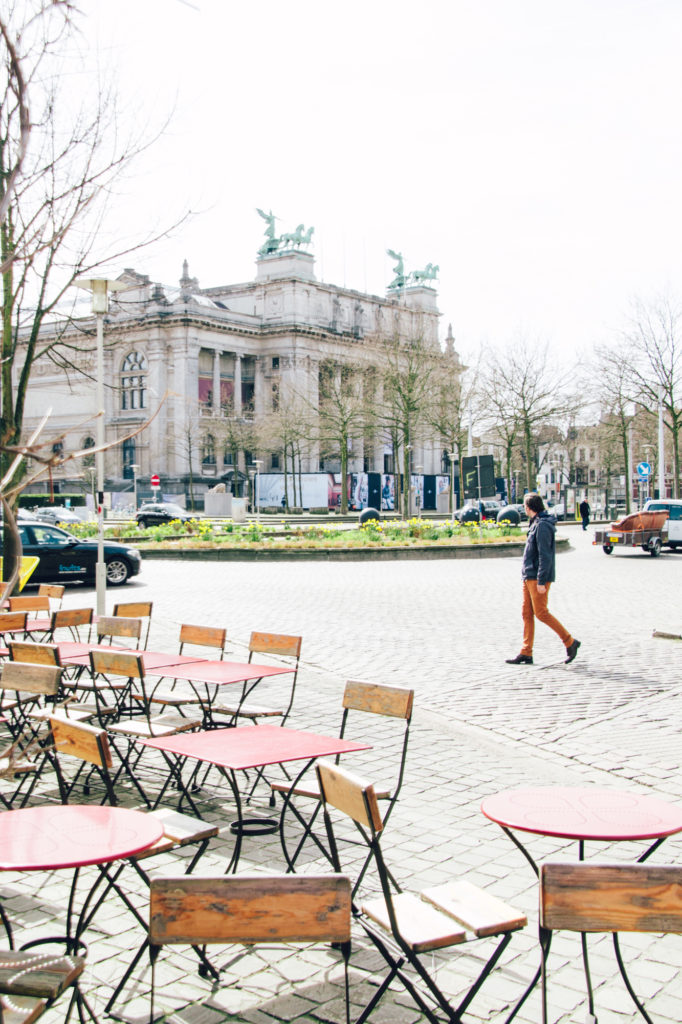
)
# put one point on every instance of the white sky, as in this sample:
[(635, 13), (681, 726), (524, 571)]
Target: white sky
[(530, 148)]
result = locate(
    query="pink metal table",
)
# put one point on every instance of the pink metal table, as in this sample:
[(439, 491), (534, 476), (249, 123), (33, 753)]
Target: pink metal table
[(206, 676), (247, 747), (54, 837), (584, 814)]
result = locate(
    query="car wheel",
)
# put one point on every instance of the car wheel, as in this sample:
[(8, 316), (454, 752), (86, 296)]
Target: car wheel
[(142, 523), (655, 547), (117, 572), (607, 548)]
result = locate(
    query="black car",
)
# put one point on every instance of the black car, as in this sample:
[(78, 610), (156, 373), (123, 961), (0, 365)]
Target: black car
[(64, 559), (154, 513), (472, 513)]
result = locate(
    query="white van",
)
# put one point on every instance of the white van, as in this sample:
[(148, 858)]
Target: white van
[(674, 509)]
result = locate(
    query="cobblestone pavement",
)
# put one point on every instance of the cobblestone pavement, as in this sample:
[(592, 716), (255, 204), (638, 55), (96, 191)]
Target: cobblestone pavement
[(443, 627)]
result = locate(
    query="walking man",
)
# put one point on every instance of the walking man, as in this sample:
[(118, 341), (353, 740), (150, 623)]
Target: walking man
[(538, 573), (584, 510)]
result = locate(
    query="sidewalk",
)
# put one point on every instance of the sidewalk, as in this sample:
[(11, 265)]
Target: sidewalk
[(480, 726)]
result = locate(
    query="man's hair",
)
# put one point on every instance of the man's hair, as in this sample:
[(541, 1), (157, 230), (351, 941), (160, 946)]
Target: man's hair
[(534, 502)]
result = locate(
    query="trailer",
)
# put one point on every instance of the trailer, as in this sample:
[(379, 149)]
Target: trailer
[(645, 530)]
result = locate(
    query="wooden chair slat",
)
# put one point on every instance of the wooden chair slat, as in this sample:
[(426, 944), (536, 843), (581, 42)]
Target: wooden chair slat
[(420, 925), (275, 643), (285, 908), (69, 617), (117, 663), (133, 609), (206, 636), (475, 908), (393, 701), (45, 980), (33, 654), (611, 897), (37, 603), (117, 625), (24, 1010), (30, 678), (13, 621)]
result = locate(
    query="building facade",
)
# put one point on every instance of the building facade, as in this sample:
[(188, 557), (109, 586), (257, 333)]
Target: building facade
[(196, 368)]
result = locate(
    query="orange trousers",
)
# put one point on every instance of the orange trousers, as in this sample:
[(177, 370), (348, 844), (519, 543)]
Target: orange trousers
[(535, 607)]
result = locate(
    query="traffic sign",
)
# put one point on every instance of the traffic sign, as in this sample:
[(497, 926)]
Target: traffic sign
[(644, 470), (155, 482)]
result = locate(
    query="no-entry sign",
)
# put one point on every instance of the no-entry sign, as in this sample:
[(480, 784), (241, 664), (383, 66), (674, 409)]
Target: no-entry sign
[(155, 482)]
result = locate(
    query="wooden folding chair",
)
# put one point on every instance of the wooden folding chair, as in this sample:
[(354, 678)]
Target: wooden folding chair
[(37, 608), (89, 748), (247, 910), (364, 705), (593, 897), (23, 758), (278, 646), (210, 639), (404, 926), (11, 625), (136, 610), (116, 665)]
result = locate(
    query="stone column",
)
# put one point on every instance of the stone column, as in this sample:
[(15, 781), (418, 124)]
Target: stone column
[(216, 383), (237, 385)]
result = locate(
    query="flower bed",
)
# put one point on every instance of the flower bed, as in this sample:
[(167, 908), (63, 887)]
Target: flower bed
[(373, 534)]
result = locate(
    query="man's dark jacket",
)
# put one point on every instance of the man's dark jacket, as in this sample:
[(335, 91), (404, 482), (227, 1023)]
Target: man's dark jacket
[(538, 556)]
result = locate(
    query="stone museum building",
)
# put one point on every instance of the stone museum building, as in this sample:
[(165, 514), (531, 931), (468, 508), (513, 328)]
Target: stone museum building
[(204, 363)]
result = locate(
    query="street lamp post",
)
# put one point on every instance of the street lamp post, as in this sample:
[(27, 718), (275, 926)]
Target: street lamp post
[(257, 463), (134, 466), (418, 493), (452, 456), (99, 289), (408, 482)]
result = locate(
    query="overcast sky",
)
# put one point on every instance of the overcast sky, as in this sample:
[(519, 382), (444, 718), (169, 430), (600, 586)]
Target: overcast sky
[(530, 148)]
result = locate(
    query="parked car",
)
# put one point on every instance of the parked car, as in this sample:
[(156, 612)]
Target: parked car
[(154, 513), (557, 509), (58, 515), (65, 559)]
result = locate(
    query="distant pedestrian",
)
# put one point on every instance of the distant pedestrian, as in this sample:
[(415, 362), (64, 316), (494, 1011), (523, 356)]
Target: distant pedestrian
[(538, 573), (585, 510)]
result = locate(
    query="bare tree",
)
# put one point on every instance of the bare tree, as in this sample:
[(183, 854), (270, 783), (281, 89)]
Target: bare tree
[(654, 360), (452, 394), (342, 414), (58, 165), (524, 393), (287, 431), (407, 373)]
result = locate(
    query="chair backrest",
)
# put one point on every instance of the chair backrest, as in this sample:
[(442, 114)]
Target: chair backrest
[(136, 610), (30, 678), (203, 636), (350, 795), (53, 591), (34, 654), (13, 622), (594, 897), (71, 619), (249, 908), (37, 603), (378, 699), (110, 626), (275, 643), (82, 741), (117, 663)]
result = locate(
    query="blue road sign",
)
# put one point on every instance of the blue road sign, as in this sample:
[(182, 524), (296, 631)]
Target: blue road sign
[(644, 470)]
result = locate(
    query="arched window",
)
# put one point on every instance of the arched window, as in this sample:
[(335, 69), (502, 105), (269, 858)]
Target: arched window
[(134, 381)]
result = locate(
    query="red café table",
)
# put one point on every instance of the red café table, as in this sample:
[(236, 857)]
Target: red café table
[(242, 748), (584, 814), (58, 836)]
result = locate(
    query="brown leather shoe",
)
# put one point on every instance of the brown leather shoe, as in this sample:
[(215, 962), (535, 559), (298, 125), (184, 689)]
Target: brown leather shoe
[(522, 659), (571, 651)]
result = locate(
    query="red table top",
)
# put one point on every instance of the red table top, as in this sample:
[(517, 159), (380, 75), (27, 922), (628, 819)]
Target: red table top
[(589, 812), (73, 653), (254, 746), (204, 670), (72, 835)]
